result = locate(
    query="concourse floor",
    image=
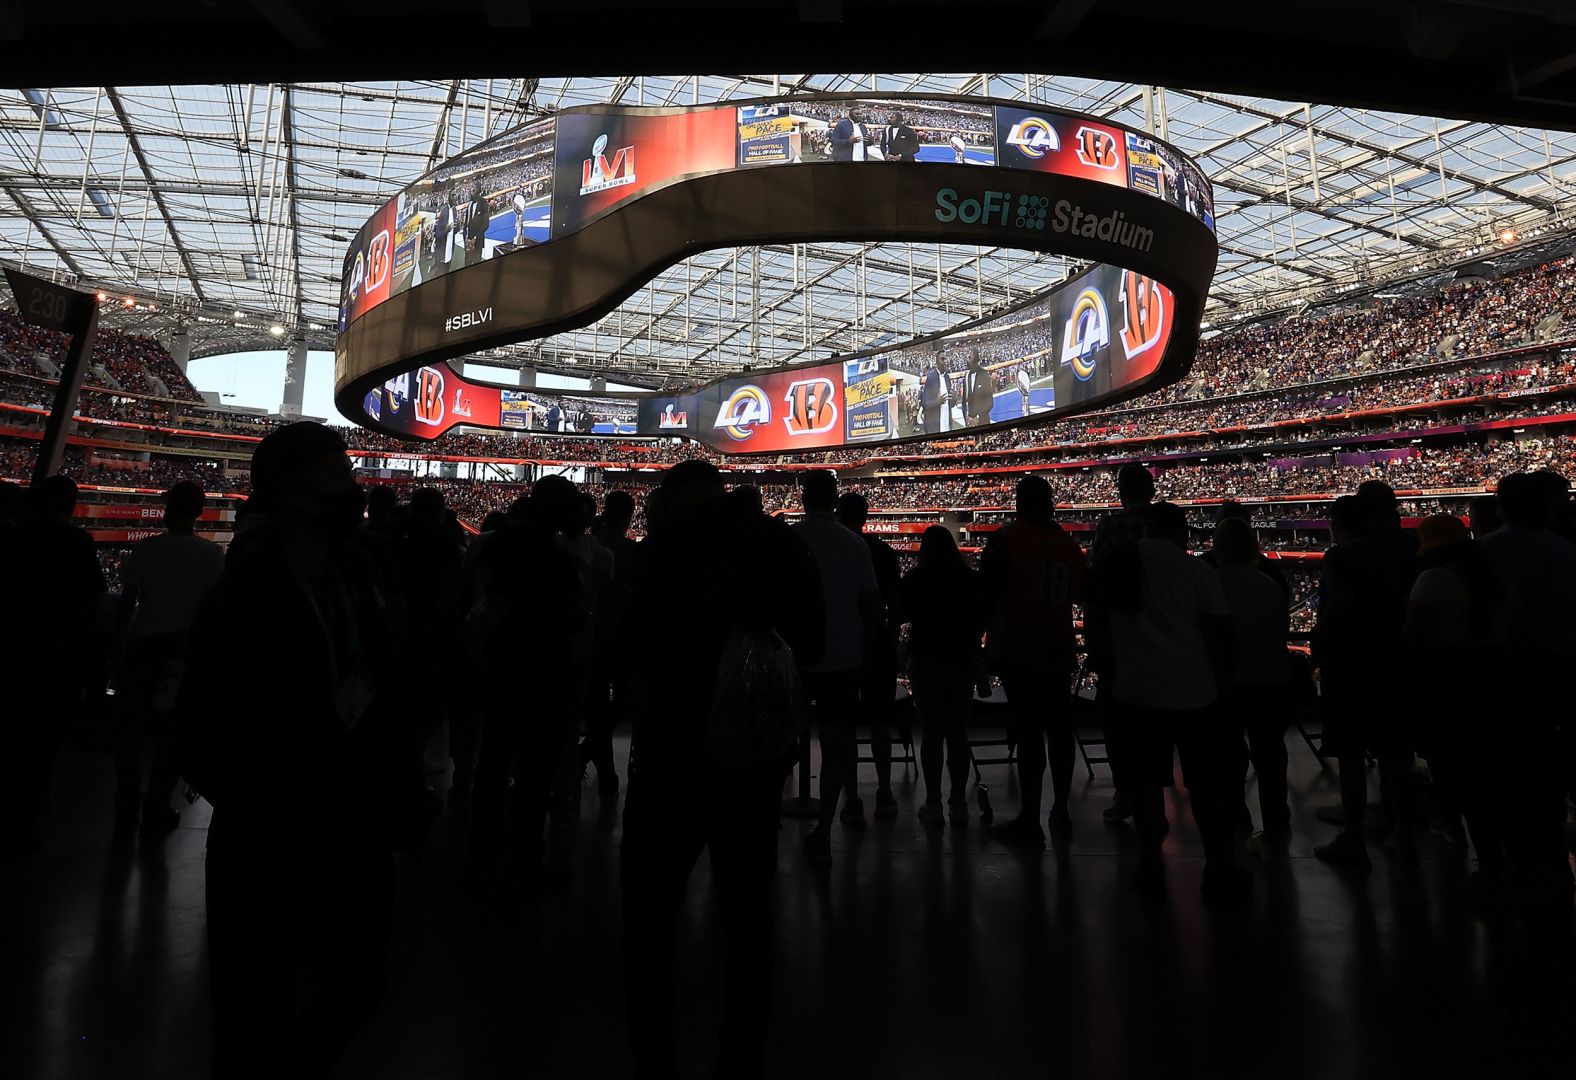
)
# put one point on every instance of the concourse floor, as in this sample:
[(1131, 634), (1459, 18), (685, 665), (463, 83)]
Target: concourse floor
[(920, 953)]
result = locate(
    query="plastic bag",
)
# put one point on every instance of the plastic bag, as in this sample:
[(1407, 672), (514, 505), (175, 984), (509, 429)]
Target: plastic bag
[(757, 705)]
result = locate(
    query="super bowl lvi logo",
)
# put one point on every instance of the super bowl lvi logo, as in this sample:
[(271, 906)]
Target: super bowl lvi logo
[(1088, 330), (597, 173)]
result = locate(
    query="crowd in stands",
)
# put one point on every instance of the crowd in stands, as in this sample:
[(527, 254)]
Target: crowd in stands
[(1482, 315), (129, 358)]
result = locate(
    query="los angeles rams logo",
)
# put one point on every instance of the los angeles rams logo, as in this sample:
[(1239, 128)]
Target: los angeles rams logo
[(746, 409), (812, 407), (1034, 137), (1096, 148), (1088, 330)]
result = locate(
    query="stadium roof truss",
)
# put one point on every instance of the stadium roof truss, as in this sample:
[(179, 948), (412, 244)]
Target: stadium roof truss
[(228, 208)]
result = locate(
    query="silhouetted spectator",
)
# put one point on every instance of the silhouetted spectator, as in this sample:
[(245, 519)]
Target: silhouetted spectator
[(1363, 585), (1113, 579), (164, 580), (1459, 619), (878, 688), (1031, 571), (1541, 569), (1255, 696), (1232, 510), (944, 605), (52, 577), (1173, 652), (301, 766), (688, 794), (536, 621), (1483, 515), (851, 601), (608, 696)]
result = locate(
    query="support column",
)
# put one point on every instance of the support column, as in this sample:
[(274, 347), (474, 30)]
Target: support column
[(295, 380), (528, 378), (181, 347)]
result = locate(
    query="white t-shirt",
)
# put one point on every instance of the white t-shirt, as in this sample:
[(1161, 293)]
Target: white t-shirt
[(846, 574), (171, 574), (1260, 614), (1162, 661)]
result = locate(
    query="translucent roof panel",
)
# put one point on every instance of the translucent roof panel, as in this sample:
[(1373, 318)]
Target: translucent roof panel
[(206, 201)]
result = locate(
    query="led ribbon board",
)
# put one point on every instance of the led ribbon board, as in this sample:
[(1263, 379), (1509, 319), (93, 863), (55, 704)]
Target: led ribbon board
[(551, 226)]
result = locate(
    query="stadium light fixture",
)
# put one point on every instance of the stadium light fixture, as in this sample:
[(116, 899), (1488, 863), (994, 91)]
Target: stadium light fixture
[(276, 330), (1508, 236)]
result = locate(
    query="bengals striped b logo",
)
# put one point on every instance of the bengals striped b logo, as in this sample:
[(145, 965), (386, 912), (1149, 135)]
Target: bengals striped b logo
[(812, 407), (1096, 148), (1143, 313), (429, 397)]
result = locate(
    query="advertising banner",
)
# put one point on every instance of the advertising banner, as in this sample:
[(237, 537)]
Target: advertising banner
[(431, 400), (768, 135), (866, 129), (605, 158), (869, 400), (676, 415), (1047, 141), (566, 414), (1113, 331), (486, 202), (798, 409), (1102, 331)]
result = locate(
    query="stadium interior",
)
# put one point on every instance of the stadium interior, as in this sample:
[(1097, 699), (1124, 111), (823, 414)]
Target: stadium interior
[(1394, 302)]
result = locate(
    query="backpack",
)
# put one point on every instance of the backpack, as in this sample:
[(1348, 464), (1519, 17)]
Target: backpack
[(757, 705)]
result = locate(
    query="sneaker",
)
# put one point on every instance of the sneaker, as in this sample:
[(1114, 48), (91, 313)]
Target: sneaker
[(959, 812), (818, 846), (853, 815), (931, 814), (1226, 885), (1022, 831), (1270, 846), (1345, 850), (1119, 810), (157, 819), (886, 806)]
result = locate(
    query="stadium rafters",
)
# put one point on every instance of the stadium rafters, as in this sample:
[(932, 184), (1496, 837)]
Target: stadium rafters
[(227, 209)]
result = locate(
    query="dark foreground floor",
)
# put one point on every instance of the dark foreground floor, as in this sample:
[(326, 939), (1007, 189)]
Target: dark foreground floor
[(922, 953)]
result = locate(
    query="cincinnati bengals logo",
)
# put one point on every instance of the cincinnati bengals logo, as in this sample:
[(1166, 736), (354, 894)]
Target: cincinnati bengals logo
[(429, 397), (378, 261), (1095, 148), (1143, 313), (812, 408)]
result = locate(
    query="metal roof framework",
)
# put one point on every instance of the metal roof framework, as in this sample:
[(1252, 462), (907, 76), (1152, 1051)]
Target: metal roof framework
[(227, 209)]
